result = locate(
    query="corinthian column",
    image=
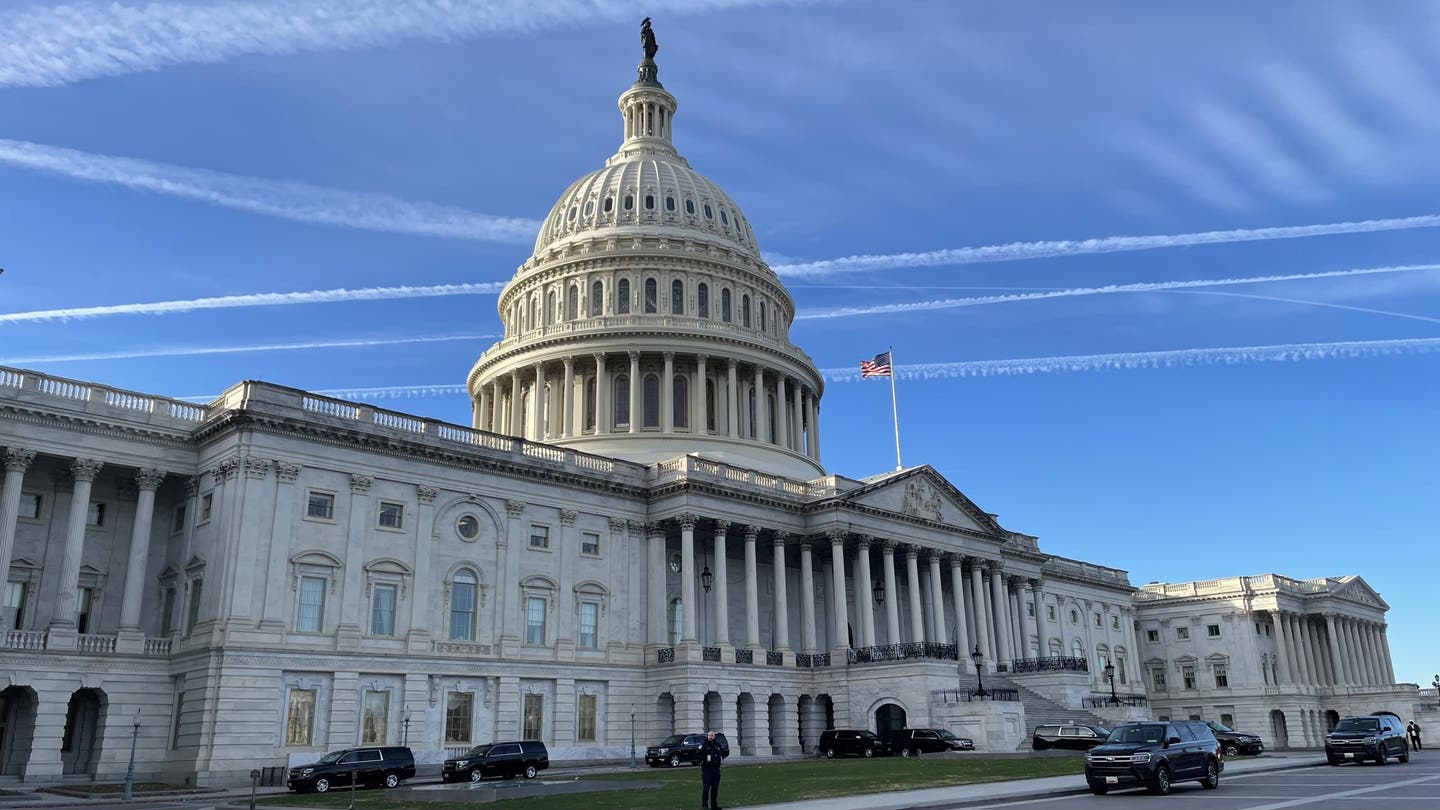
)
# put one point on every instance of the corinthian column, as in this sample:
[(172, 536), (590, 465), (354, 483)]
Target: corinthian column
[(957, 595), (984, 637), (782, 601), (862, 591), (912, 581), (517, 405), (567, 407), (732, 419), (1281, 647), (17, 461), (687, 579), (637, 408), (603, 397), (892, 607), (937, 599), (837, 572), (701, 421), (722, 581), (83, 470), (807, 597), (1002, 620), (752, 590), (147, 481), (656, 581)]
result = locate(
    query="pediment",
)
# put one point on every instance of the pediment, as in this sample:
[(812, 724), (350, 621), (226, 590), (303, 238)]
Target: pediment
[(924, 494), (1356, 589)]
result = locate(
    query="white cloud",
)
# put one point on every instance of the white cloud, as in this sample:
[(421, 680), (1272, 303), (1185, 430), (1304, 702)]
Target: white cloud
[(194, 351), (284, 199)]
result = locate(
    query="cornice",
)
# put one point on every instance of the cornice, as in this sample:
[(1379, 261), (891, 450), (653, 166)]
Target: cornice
[(89, 425)]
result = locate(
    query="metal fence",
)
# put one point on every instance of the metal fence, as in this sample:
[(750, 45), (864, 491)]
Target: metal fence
[(1053, 663), (901, 652)]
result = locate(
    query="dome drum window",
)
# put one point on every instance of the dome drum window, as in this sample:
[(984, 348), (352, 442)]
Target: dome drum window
[(590, 207), (608, 206), (709, 212), (629, 204), (669, 203), (649, 202), (690, 207)]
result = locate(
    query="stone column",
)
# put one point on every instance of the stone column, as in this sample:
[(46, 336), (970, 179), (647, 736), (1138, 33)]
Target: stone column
[(495, 426), (480, 408), (837, 564), (567, 407), (1132, 644), (687, 579), (984, 637), (699, 424), (1317, 648), (603, 396), (815, 427), (1337, 663), (508, 550), (637, 408), (659, 634), (762, 413), (732, 419), (752, 590), (1042, 620), (1002, 618), (722, 582), (937, 600), (667, 394), (1362, 652), (892, 594), (17, 461), (539, 420), (83, 470), (912, 586), (517, 405), (1027, 624), (147, 481), (1372, 656), (782, 601), (1352, 651), (347, 630), (1387, 663), (1301, 668), (1281, 647), (797, 441), (957, 596), (807, 597), (863, 601)]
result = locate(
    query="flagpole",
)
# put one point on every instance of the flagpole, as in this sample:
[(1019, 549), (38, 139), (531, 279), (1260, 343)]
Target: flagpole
[(895, 410)]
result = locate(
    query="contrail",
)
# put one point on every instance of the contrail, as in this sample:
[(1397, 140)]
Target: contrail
[(192, 351), (1154, 286), (283, 199), (1015, 251), (46, 46), (254, 300)]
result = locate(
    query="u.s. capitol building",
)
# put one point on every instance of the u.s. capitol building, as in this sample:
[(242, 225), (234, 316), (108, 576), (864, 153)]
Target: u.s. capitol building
[(635, 535)]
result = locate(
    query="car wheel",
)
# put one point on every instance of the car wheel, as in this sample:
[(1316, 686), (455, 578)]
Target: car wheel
[(1231, 750), (476, 775), (1404, 755), (392, 780), (869, 752), (322, 785), (1380, 759), (1161, 787), (1334, 761), (531, 771), (829, 753), (1099, 790), (1038, 746), (674, 761), (1212, 776)]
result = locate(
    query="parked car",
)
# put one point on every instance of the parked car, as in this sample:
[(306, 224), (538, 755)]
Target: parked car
[(1376, 737), (506, 760), (1233, 742), (1155, 755), (912, 742), (373, 765), (1070, 736), (839, 742), (680, 749)]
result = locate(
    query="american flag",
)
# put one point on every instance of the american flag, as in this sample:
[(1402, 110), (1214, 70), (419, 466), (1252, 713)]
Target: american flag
[(879, 367)]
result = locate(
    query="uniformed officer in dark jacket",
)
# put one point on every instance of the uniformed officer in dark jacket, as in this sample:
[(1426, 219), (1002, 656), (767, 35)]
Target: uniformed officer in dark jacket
[(711, 755)]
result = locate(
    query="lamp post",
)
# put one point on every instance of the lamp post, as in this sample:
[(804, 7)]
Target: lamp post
[(1110, 676), (405, 729), (632, 740), (979, 659), (130, 772)]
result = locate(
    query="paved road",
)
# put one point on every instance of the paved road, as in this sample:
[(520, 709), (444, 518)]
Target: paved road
[(1414, 786)]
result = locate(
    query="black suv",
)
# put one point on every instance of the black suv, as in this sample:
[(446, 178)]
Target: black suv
[(1233, 742), (1155, 755), (1376, 737), (1070, 736), (679, 748), (838, 742), (912, 742), (375, 765), (504, 759)]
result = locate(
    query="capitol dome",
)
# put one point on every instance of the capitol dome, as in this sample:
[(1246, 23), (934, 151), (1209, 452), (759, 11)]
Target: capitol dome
[(646, 325)]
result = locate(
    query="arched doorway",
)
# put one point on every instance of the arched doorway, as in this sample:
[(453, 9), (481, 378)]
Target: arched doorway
[(17, 729), (744, 742), (889, 718), (84, 729), (714, 714), (664, 717), (1278, 730), (1332, 719)]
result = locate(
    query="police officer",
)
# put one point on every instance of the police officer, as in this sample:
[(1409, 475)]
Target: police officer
[(711, 755)]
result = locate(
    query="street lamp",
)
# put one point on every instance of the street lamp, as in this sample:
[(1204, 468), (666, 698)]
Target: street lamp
[(405, 729), (1110, 676), (632, 740), (979, 658), (130, 773)]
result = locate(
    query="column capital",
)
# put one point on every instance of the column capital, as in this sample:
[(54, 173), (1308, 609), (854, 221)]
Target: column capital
[(85, 469), (912, 553), (514, 508), (1037, 583), (636, 527), (539, 366), (806, 546), (888, 546), (655, 529), (730, 363), (192, 486), (864, 541), (568, 360), (568, 516), (955, 559), (617, 525), (360, 484), (18, 459), (721, 527), (781, 538), (599, 357), (934, 556), (255, 467), (149, 478), (687, 521), (668, 356), (701, 358), (752, 530), (426, 494), (994, 567), (1019, 581), (286, 472), (634, 354), (836, 536)]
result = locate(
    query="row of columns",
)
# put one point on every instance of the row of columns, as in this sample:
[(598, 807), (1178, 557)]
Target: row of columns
[(559, 410), (1332, 650)]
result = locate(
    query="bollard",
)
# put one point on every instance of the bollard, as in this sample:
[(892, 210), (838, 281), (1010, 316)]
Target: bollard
[(254, 782)]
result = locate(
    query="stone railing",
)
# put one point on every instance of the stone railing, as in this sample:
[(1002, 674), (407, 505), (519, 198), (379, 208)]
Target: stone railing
[(972, 695), (92, 643), (688, 467), (24, 639), (1076, 570), (459, 648), (85, 643), (809, 661), (1053, 663), (901, 652), (100, 399), (157, 646)]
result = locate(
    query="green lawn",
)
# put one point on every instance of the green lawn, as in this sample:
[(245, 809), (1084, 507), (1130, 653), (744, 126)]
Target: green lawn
[(744, 785)]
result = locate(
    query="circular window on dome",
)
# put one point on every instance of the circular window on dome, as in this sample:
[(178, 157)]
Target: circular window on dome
[(709, 214), (649, 202), (669, 203), (468, 527), (589, 208), (609, 204), (629, 202), (690, 207)]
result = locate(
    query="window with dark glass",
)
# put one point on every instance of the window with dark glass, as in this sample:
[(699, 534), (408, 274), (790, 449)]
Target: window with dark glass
[(463, 588), (622, 401), (725, 306), (709, 407), (608, 206), (651, 395), (590, 404), (702, 300), (677, 297), (629, 203), (597, 299), (572, 303), (709, 213), (649, 202), (680, 401), (690, 207), (669, 203), (459, 708), (762, 316), (652, 296), (622, 297), (745, 311)]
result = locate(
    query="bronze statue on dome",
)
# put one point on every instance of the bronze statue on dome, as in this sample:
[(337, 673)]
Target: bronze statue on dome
[(647, 39)]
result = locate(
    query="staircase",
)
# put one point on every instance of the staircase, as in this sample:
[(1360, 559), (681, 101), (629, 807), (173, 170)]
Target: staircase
[(1042, 711)]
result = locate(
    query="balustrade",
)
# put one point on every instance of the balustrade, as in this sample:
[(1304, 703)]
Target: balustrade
[(809, 661), (1102, 701), (905, 651), (973, 695), (91, 643), (1053, 663)]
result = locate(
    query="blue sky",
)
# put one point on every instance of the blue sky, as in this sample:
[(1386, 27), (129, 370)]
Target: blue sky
[(180, 151)]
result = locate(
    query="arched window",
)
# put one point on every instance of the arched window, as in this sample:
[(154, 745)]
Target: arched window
[(770, 419), (549, 308), (709, 407), (622, 400), (462, 605), (622, 297), (762, 316), (590, 404), (677, 618), (572, 304), (650, 395), (677, 297), (535, 312), (702, 300), (750, 401), (597, 299), (745, 311), (1077, 648), (680, 401), (725, 306), (651, 296)]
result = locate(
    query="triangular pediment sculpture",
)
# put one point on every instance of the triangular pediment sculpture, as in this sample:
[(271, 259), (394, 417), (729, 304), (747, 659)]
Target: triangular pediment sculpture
[(923, 494)]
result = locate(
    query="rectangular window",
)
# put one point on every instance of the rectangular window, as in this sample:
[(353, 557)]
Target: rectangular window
[(175, 721), (321, 505), (167, 611), (539, 536), (1114, 622), (1227, 720), (589, 618), (312, 605), (375, 725), (1099, 621), (300, 717), (1152, 636), (1030, 609), (1212, 630), (1182, 633), (207, 506), (1257, 628), (534, 716), (535, 620), (1222, 678), (177, 519), (392, 515), (1050, 612), (585, 724), (15, 593), (30, 506), (1158, 678), (82, 609), (459, 707), (590, 544), (1187, 677), (192, 610), (1267, 629), (382, 610), (96, 515), (1120, 669)]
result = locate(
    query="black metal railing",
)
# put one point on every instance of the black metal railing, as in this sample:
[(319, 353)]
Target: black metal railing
[(774, 659), (810, 661), (1101, 701), (1051, 663), (665, 655), (970, 695), (901, 652), (710, 654), (744, 656)]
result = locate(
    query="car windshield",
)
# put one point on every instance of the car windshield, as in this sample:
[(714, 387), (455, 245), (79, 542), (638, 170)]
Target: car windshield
[(946, 735), (1358, 724), (478, 751), (675, 739), (1220, 727), (1150, 733), (868, 735), (332, 757)]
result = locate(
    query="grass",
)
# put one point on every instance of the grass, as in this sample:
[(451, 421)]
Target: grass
[(744, 785)]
